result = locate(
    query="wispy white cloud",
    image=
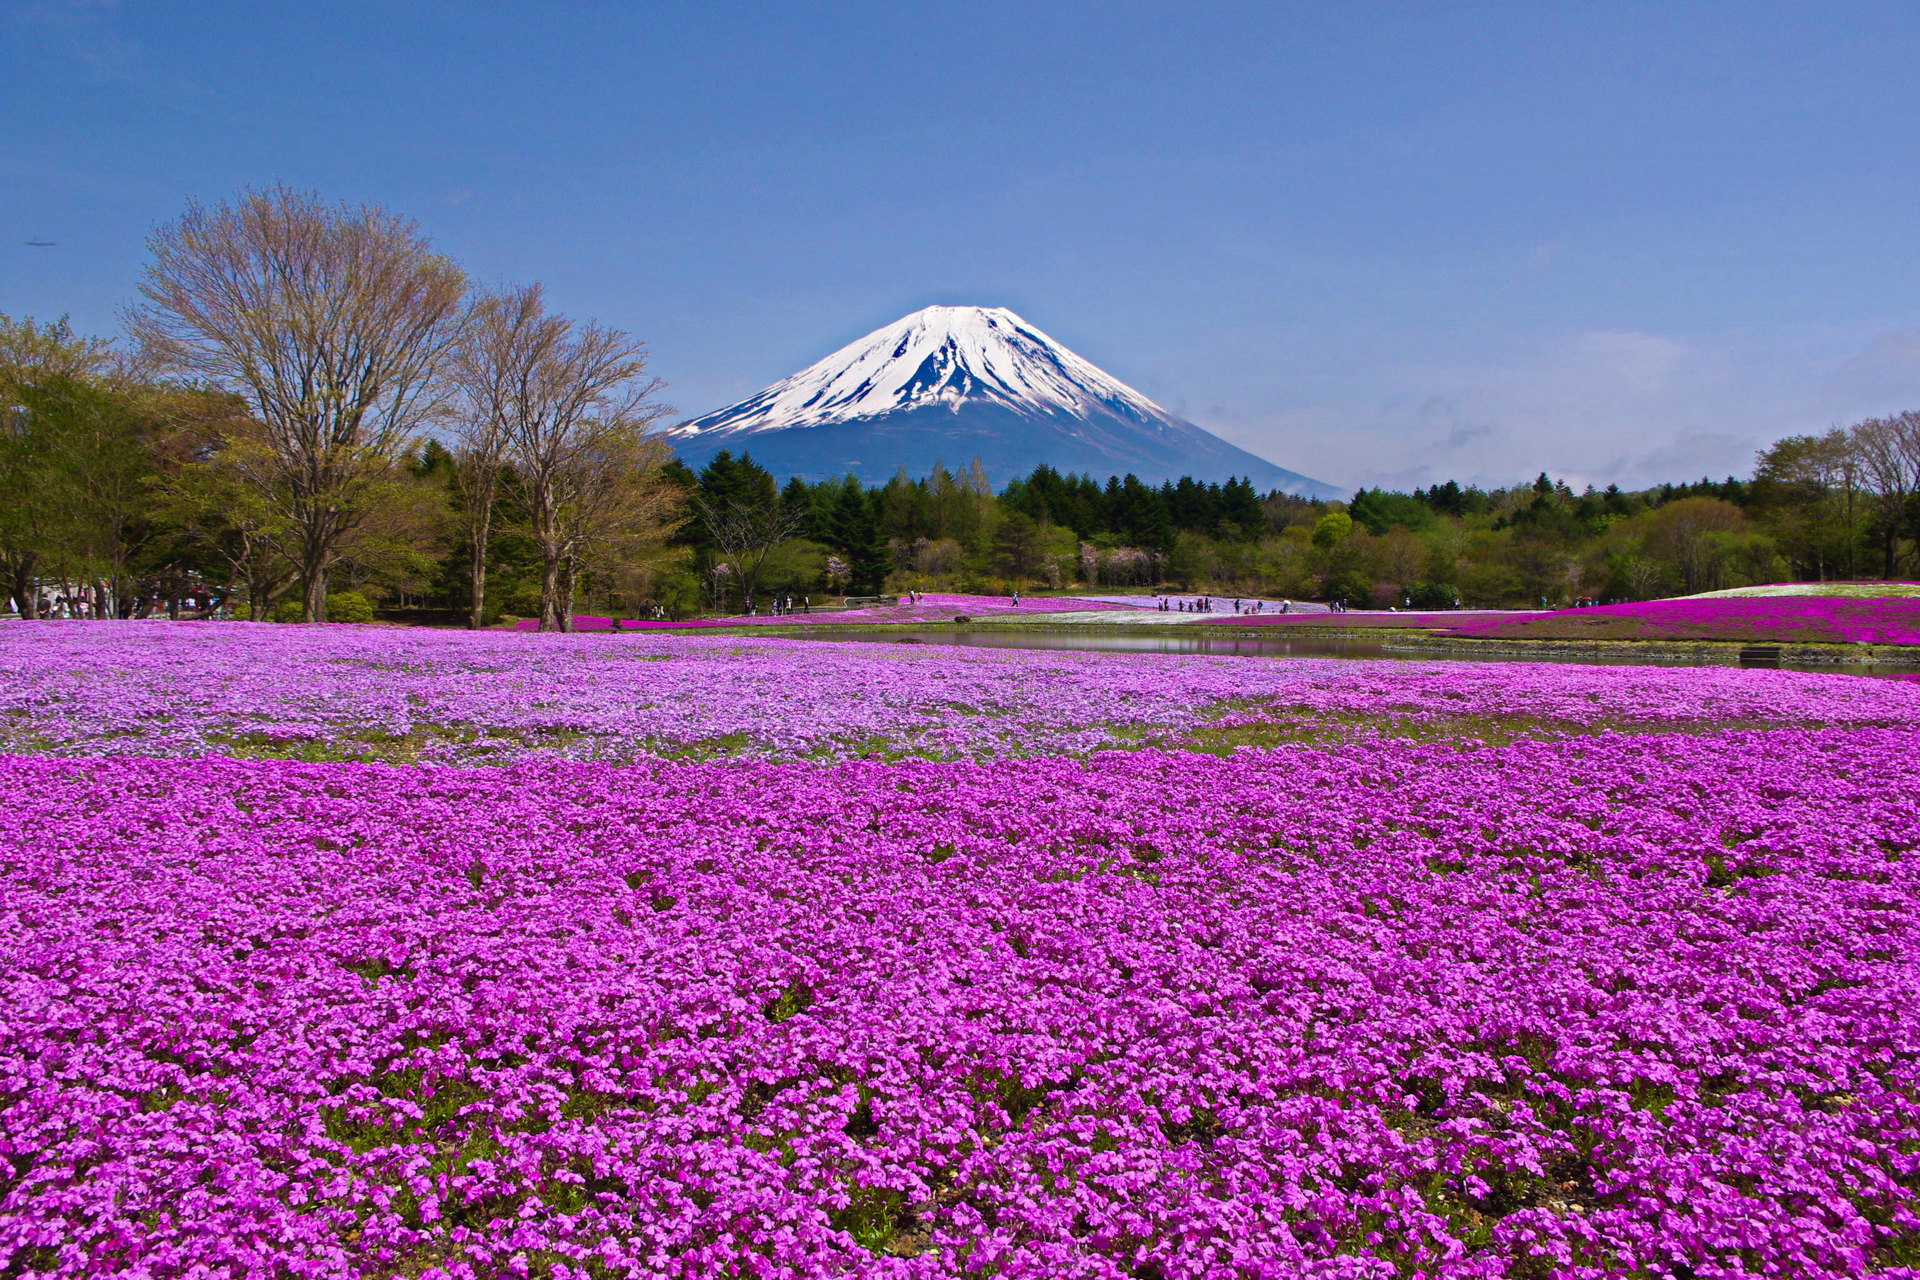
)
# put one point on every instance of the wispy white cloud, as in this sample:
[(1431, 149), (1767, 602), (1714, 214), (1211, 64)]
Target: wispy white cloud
[(1599, 407)]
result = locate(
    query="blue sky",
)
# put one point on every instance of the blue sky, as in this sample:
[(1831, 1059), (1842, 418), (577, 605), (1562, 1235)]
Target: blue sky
[(1377, 244)]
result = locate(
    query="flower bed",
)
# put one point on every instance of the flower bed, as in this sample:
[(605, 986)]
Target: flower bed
[(1546, 1009), (1851, 590), (1461, 970), (475, 697), (1756, 620), (1368, 620)]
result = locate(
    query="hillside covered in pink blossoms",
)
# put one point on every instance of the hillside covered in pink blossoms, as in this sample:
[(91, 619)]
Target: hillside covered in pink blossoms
[(359, 952), (1783, 619)]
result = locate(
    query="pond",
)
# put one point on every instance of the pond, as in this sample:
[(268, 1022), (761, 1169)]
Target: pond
[(1158, 640)]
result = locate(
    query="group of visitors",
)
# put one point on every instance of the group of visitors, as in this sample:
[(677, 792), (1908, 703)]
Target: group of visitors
[(1204, 605), (781, 606), (91, 603)]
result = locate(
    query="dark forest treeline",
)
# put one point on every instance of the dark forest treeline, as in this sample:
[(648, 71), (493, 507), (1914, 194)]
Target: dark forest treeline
[(1813, 509)]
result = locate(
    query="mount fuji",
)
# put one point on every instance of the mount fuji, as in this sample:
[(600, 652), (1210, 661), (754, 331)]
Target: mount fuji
[(956, 383)]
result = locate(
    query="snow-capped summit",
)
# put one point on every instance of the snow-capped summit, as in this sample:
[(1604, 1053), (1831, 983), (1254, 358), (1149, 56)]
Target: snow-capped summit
[(946, 356), (952, 383)]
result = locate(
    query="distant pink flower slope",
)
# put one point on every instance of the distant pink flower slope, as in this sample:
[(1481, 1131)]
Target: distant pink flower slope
[(1807, 619)]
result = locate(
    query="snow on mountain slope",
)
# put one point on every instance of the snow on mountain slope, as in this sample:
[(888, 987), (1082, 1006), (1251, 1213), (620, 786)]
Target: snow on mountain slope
[(956, 382), (946, 356)]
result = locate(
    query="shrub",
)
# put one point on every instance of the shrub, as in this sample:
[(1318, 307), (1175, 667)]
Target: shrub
[(1432, 595), (348, 606)]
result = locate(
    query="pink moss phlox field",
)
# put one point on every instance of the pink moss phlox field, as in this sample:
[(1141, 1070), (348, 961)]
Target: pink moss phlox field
[(933, 607), (1369, 619), (1789, 619), (1602, 1006), (474, 697)]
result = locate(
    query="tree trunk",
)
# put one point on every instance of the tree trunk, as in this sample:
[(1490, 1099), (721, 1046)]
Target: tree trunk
[(315, 607), (568, 581), (478, 546), (550, 591), (25, 593)]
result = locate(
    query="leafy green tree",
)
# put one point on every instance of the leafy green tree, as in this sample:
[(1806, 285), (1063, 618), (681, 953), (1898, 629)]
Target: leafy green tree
[(1808, 490), (102, 446), (36, 491), (742, 520), (1380, 511), (1017, 546), (1349, 585), (1331, 529), (849, 522)]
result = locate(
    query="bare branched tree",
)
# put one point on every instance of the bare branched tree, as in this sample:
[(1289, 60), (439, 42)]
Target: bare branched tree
[(744, 532), (330, 321), (1889, 454), (504, 340), (622, 509), (574, 403)]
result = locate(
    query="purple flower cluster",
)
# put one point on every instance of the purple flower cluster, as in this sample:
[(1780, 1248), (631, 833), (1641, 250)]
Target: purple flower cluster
[(464, 697), (1764, 619), (762, 958), (1616, 1006)]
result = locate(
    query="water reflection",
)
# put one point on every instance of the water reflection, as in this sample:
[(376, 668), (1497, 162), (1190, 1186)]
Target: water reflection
[(1159, 641)]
